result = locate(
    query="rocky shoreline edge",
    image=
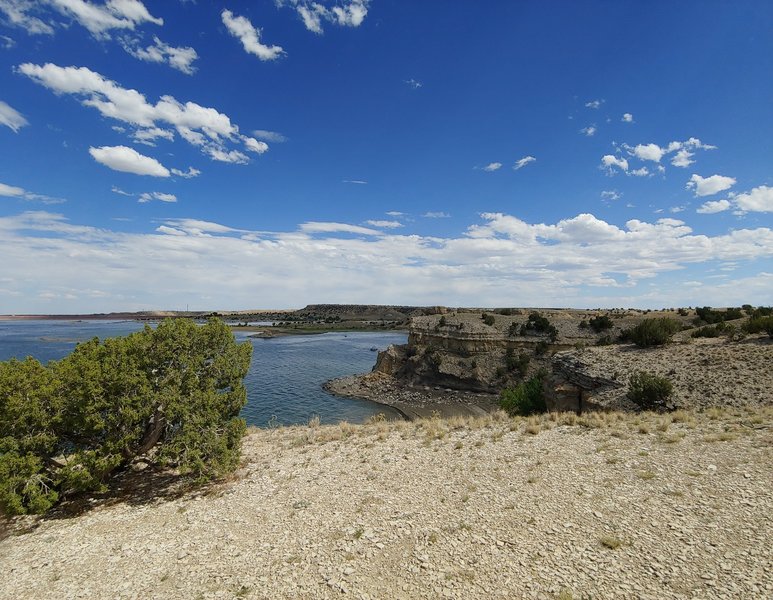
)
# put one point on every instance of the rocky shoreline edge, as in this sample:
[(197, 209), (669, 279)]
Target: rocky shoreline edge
[(413, 402)]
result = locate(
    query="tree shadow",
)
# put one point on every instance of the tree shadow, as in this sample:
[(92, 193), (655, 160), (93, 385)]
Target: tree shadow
[(151, 485)]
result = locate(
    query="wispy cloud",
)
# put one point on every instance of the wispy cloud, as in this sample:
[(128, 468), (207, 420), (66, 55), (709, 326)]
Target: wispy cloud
[(148, 196), (414, 83), (589, 131), (180, 58), (355, 181), (11, 118), (384, 224), (349, 13), (436, 215), (12, 191), (269, 136), (594, 104), (522, 162), (244, 31), (492, 166)]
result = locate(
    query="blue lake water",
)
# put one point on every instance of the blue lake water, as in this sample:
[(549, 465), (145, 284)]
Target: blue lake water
[(284, 383)]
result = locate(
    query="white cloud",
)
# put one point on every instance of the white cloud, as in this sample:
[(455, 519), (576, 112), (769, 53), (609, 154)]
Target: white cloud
[(594, 104), (492, 166), (117, 190), (148, 136), (706, 186), (189, 174), (713, 206), (611, 195), (355, 181), (609, 161), (324, 227), (627, 118), (651, 152), (243, 30), (180, 58), (500, 258), (384, 224), (313, 13), (640, 172), (683, 158), (128, 160), (11, 190), (759, 199), (436, 215), (200, 126), (414, 83), (148, 196), (10, 117), (269, 136), (589, 130), (394, 213), (522, 162), (17, 14), (101, 19)]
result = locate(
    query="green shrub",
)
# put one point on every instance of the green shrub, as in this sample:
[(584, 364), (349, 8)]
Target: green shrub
[(602, 323), (759, 324), (536, 324), (519, 363), (649, 392), (605, 340), (709, 316), (526, 398), (651, 332), (67, 427), (488, 319)]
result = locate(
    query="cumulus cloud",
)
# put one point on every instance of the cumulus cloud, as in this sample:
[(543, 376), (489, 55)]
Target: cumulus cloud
[(269, 136), (651, 152), (148, 196), (627, 118), (180, 58), (759, 199), (200, 126), (590, 130), (11, 118), (242, 29), (500, 259), (640, 172), (683, 158), (609, 162), (522, 162), (128, 160), (384, 224), (492, 166), (594, 104), (713, 206), (707, 186), (349, 13)]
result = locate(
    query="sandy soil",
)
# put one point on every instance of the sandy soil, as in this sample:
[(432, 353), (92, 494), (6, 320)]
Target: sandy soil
[(604, 506)]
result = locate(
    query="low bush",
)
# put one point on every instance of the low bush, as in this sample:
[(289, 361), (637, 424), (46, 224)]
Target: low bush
[(599, 324), (710, 317), (649, 392), (488, 319), (713, 331), (651, 332), (526, 398), (759, 324), (518, 363), (536, 324)]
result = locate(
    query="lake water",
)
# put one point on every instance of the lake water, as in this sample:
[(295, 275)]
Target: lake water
[(284, 383)]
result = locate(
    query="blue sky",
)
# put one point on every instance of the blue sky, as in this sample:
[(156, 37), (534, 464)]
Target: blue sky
[(270, 154)]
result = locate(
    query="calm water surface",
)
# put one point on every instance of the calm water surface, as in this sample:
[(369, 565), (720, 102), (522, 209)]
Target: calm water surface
[(284, 383)]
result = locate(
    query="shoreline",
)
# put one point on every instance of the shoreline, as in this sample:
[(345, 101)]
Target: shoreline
[(412, 402)]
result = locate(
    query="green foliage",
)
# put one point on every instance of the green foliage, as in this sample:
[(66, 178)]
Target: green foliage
[(652, 332), (649, 392), (602, 323), (713, 331), (536, 324), (67, 427), (442, 321), (605, 340), (526, 398), (488, 319), (759, 324), (541, 348), (708, 316), (519, 363), (513, 329)]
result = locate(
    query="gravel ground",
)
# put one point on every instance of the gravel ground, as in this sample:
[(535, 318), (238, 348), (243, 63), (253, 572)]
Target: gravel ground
[(603, 506)]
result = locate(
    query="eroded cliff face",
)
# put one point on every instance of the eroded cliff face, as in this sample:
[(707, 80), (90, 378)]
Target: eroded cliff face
[(483, 352)]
